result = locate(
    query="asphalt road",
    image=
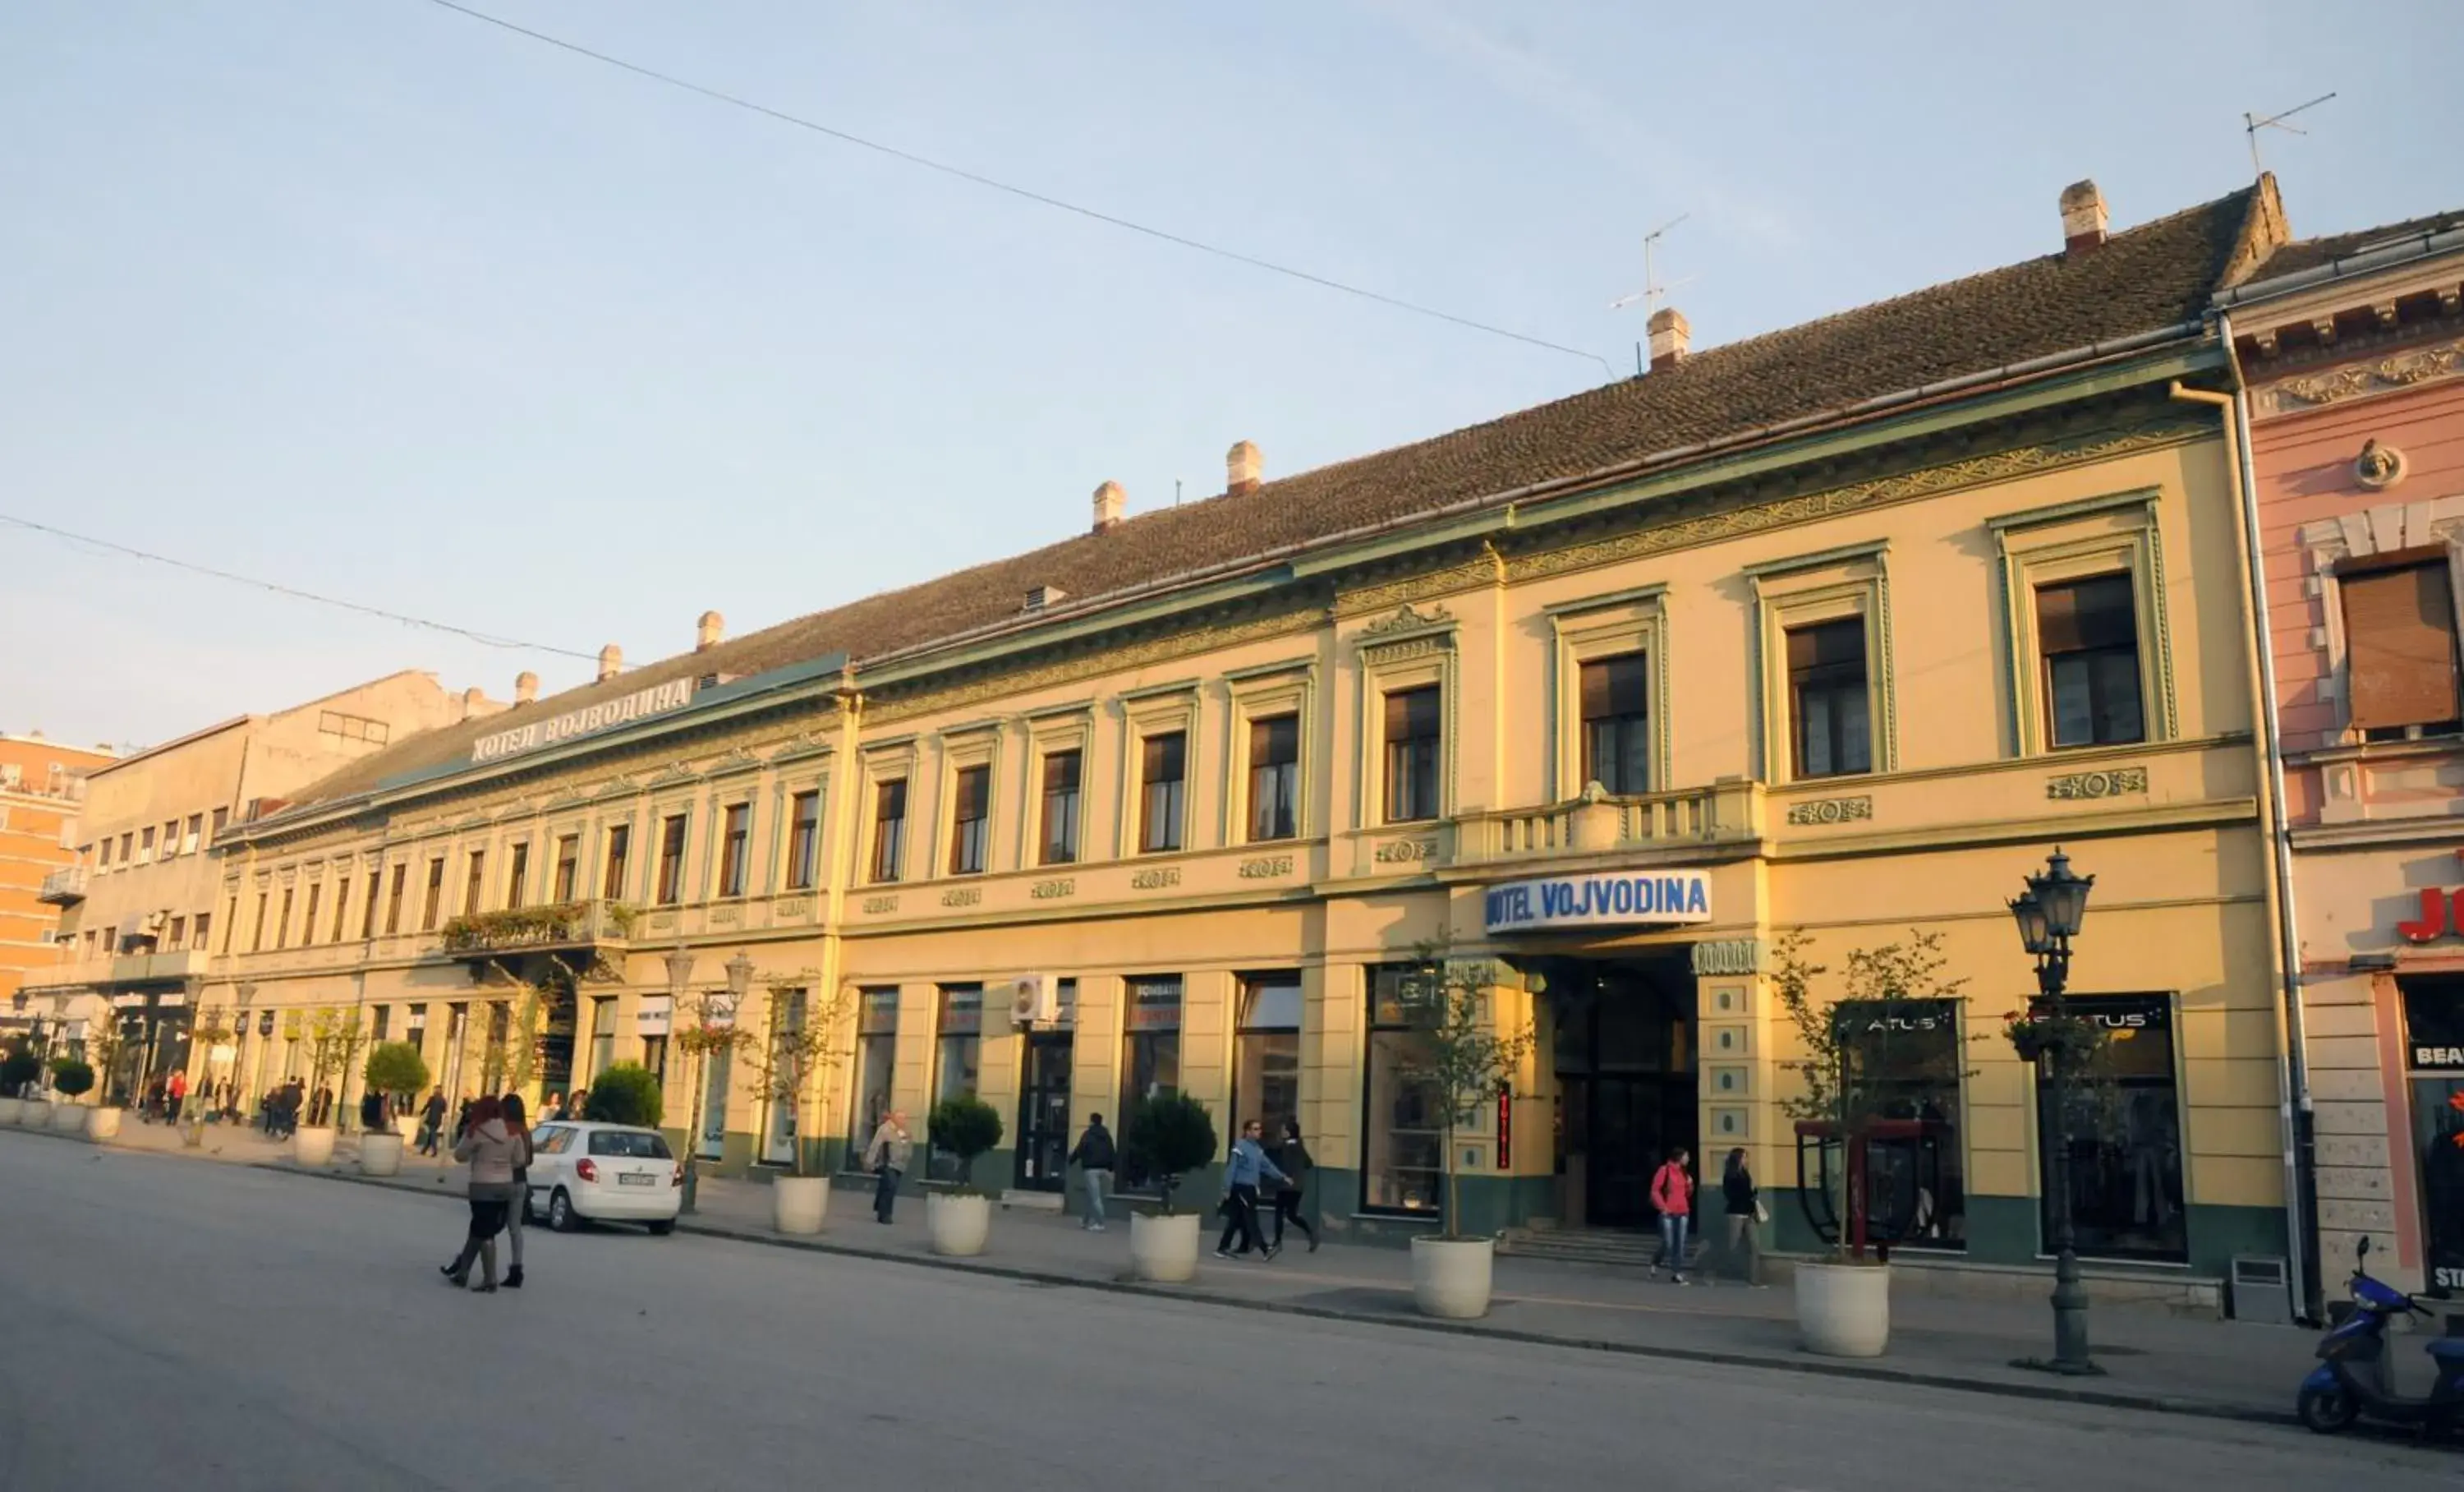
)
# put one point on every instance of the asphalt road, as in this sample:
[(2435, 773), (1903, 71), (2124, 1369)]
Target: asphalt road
[(182, 1323)]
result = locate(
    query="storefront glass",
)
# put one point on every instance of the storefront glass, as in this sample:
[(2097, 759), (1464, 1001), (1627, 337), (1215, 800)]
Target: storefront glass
[(2125, 1135), (1266, 1056), (958, 1049), (1906, 1056), (2434, 1057), (1150, 1060), (877, 1056), (1403, 1156)]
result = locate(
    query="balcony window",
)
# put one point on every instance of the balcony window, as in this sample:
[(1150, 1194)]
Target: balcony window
[(1828, 706), (970, 819), (1164, 778), (1060, 835), (1411, 726), (1616, 723), (568, 869), (889, 830), (619, 843), (2087, 632), (804, 841), (1274, 777), (671, 860), (735, 849), (517, 876)]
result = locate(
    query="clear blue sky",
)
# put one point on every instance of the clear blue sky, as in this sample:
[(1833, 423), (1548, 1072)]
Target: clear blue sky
[(376, 300)]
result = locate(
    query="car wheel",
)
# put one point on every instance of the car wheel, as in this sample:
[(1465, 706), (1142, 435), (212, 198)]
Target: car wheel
[(662, 1228), (560, 1215), (2328, 1411)]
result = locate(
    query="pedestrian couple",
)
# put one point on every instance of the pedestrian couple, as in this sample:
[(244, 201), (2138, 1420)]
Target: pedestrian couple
[(1672, 1192), (496, 1143), (1244, 1172)]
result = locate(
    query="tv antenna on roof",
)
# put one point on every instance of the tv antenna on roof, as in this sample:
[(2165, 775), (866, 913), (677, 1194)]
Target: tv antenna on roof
[(1653, 292), (2251, 125)]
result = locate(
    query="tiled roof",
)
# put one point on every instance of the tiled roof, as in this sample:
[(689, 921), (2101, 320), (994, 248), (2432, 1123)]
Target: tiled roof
[(2143, 280), (2310, 252)]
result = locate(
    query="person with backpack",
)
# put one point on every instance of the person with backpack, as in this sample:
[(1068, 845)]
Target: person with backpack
[(1094, 1156), (1672, 1192)]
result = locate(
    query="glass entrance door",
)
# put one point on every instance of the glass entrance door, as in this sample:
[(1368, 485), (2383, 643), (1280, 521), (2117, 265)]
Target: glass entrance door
[(1624, 1049), (1044, 1113)]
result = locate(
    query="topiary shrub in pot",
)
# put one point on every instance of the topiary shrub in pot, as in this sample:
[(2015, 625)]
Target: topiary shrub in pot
[(71, 1079), (1166, 1137), (626, 1093), (959, 1218), (396, 1070), (19, 1067)]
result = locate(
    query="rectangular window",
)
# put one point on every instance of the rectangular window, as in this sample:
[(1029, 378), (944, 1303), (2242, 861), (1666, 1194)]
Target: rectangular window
[(205, 927), (2125, 1133), (1163, 775), (2087, 632), (179, 933), (393, 898), (342, 906), (876, 1056), (735, 849), (1403, 1159), (517, 876), (1266, 1054), (671, 860), (804, 840), (1908, 1057), (196, 834), (102, 854), (128, 849), (2434, 1059), (257, 940), (222, 821), (1060, 835), (889, 830), (1617, 724), (1828, 708), (308, 915), (603, 1039), (146, 844), (619, 843), (170, 838), (476, 884), (433, 901), (1150, 1058), (971, 798), (2400, 650), (381, 1024), (655, 1056), (1411, 726), (957, 1053), (1274, 777), (568, 869)]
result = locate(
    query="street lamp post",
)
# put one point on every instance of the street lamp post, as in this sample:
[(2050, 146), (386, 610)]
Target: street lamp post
[(2049, 914)]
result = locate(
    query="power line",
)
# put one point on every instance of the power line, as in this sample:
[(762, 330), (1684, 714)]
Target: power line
[(294, 591), (1022, 192)]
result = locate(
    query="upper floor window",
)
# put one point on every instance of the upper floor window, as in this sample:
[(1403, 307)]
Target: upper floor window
[(127, 848), (735, 849), (1830, 714), (179, 933), (1274, 777), (202, 934), (517, 876), (1060, 834), (342, 906), (393, 899), (222, 821), (804, 840), (433, 899), (146, 844), (671, 860), (1616, 723), (620, 844), (568, 869), (1164, 777), (2087, 634), (970, 819), (308, 913), (1412, 727), (256, 939), (476, 884), (889, 830), (196, 834), (102, 855), (2400, 650)]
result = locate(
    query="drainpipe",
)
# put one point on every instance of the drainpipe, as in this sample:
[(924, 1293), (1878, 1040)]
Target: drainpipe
[(2293, 1074)]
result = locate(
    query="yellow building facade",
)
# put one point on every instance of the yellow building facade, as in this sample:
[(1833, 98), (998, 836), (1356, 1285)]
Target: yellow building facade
[(1603, 700)]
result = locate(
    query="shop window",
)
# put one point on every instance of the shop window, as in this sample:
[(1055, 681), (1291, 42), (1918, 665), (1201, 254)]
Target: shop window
[(1829, 707), (889, 830), (1413, 723), (876, 1059), (671, 860), (1274, 777), (475, 885), (517, 876), (1149, 1059), (566, 878), (971, 795), (804, 841), (2087, 638), (1403, 1160), (1163, 782), (777, 1110), (1266, 1054), (735, 848), (957, 1057), (2400, 650), (1061, 786), (2434, 1058), (620, 845), (1616, 723), (1904, 1058), (2125, 1135)]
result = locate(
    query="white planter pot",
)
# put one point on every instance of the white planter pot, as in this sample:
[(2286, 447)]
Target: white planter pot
[(1844, 1310), (1450, 1277), (102, 1125), (35, 1114), (69, 1118), (405, 1126), (957, 1224), (1163, 1249), (798, 1204), (13, 1112), (380, 1154), (312, 1144)]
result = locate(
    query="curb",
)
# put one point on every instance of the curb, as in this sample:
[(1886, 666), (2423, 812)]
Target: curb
[(2045, 1393)]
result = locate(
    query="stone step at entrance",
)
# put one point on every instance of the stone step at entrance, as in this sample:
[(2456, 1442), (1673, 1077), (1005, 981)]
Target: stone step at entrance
[(1592, 1246)]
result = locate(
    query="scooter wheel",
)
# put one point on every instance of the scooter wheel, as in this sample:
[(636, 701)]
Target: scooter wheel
[(2328, 1411)]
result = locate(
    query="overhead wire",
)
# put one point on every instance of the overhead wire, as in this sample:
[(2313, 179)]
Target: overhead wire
[(1024, 194)]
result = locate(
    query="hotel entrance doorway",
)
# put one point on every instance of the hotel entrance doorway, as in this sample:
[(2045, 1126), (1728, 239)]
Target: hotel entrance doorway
[(1623, 1050)]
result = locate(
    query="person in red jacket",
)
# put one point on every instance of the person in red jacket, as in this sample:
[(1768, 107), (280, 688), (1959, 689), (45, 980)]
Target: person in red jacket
[(1672, 1192)]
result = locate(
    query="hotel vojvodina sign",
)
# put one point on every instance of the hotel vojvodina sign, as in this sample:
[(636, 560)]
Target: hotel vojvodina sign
[(1622, 899), (657, 699)]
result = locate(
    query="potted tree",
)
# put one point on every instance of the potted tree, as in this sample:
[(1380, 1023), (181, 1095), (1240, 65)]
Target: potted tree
[(105, 1044), (1166, 1137), (396, 1070), (958, 1217), (19, 1067), (333, 1038), (626, 1093), (71, 1079), (802, 1041), (1465, 1059)]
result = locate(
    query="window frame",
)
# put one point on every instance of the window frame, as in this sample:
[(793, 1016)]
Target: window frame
[(1403, 652), (2048, 682), (1170, 709), (1165, 832), (735, 849), (1269, 692), (2077, 540), (518, 873), (564, 872), (1595, 630), (1132, 1032), (1835, 585), (1051, 733), (970, 834), (1371, 1028), (886, 838), (966, 749), (675, 847), (2343, 563), (616, 852), (1399, 771), (804, 838)]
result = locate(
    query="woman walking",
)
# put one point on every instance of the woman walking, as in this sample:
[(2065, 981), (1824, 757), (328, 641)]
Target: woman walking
[(492, 1151), (1672, 1192), (1742, 1201), (1294, 1158), (518, 1124)]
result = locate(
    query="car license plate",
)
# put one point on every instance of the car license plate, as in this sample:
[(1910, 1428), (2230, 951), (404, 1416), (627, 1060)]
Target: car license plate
[(629, 1179)]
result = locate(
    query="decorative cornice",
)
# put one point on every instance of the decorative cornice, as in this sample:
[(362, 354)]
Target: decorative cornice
[(1407, 620), (2382, 375)]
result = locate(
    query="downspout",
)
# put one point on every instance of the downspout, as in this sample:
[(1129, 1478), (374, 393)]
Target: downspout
[(2293, 1074)]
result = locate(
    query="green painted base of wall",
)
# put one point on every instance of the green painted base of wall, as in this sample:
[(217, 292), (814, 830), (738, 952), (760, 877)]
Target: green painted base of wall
[(2006, 1229), (1490, 1205)]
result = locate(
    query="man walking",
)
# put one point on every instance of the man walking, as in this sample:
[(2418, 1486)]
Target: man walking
[(1094, 1157), (173, 1092), (431, 1121), (1245, 1168), (888, 1155)]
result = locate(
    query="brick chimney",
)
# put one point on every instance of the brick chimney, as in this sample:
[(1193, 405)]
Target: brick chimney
[(1669, 334), (1241, 465), (1110, 501), (525, 687), (611, 662), (2083, 217), (708, 632)]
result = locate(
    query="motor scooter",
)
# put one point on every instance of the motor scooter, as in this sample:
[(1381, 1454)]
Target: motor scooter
[(2351, 1382)]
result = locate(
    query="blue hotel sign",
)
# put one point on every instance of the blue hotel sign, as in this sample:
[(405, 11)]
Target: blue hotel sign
[(1636, 897)]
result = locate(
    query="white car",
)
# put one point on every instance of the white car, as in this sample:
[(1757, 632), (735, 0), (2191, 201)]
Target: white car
[(591, 1172)]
